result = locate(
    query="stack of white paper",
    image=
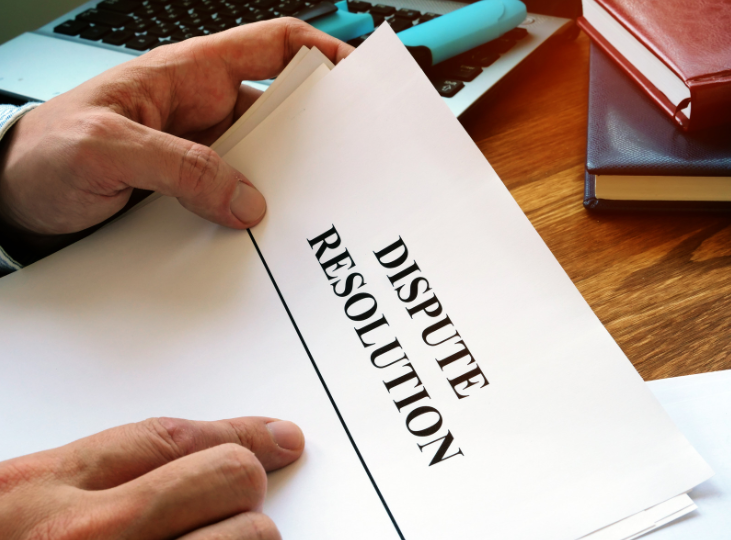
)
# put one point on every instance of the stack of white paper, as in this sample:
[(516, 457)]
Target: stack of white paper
[(450, 380), (700, 405)]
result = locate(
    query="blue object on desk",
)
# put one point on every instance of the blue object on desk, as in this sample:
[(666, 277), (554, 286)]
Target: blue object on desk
[(343, 24), (438, 39), (465, 28)]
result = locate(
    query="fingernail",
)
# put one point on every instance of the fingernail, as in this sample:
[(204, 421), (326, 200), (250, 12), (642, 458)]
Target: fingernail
[(287, 435), (248, 205)]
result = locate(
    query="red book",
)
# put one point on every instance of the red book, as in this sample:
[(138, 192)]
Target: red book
[(677, 51)]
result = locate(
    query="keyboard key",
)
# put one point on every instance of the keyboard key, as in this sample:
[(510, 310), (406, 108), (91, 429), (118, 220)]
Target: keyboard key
[(118, 37), (195, 20), (232, 12), (426, 17), (254, 15), (171, 15), (142, 43), (185, 5), (447, 88), (95, 33), (483, 59), (461, 72), (183, 34), (207, 8), (289, 7), (120, 6), (498, 46), (221, 19), (159, 43), (316, 11), (140, 25), (516, 34), (71, 28), (219, 25), (107, 18), (263, 4), (410, 14), (381, 9), (355, 6), (162, 29), (148, 12), (399, 25), (377, 20)]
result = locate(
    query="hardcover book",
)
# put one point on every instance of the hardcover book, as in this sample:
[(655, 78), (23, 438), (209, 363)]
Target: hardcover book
[(637, 160), (677, 52)]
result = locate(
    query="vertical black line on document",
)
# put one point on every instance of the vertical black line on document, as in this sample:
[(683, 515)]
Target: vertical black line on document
[(327, 390)]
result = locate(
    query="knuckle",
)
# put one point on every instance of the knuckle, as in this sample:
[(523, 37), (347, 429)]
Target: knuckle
[(87, 142), (198, 169), (261, 527), (246, 432), (173, 437), (93, 127), (241, 467), (293, 23), (293, 28)]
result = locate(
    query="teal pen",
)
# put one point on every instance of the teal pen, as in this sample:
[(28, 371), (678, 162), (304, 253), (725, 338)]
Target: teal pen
[(441, 38), (461, 30)]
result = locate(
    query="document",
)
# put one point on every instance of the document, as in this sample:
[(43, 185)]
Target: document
[(700, 405), (395, 302), (304, 64)]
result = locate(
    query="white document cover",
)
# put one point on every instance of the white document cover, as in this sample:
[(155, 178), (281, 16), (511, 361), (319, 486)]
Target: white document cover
[(565, 432), (514, 414)]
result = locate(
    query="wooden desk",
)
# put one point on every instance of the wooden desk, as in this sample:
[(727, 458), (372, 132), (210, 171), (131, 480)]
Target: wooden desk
[(661, 284)]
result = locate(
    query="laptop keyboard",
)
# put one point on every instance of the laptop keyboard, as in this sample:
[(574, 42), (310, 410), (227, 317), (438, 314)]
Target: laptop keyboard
[(143, 25)]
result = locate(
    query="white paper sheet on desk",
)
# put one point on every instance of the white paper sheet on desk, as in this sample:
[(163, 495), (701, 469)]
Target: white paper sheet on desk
[(165, 314), (564, 440), (700, 405), (337, 156)]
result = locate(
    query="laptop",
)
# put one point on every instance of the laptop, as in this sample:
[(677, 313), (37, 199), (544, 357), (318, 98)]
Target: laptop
[(101, 34)]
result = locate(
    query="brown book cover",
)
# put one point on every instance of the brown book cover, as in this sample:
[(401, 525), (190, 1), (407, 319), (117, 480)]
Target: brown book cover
[(693, 39)]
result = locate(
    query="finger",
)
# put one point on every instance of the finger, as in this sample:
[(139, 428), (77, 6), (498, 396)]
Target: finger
[(275, 43), (118, 455), (189, 493), (247, 95), (247, 526), (141, 157)]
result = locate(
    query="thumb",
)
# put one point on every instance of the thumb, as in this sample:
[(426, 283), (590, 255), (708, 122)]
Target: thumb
[(196, 175), (120, 454)]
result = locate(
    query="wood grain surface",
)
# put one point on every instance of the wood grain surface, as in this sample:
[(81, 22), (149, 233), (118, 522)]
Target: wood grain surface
[(661, 283)]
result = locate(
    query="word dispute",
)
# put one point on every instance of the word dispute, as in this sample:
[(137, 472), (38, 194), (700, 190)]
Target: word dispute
[(403, 382)]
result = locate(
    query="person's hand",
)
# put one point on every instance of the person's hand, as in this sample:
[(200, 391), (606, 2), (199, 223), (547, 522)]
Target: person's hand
[(158, 479), (73, 162)]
